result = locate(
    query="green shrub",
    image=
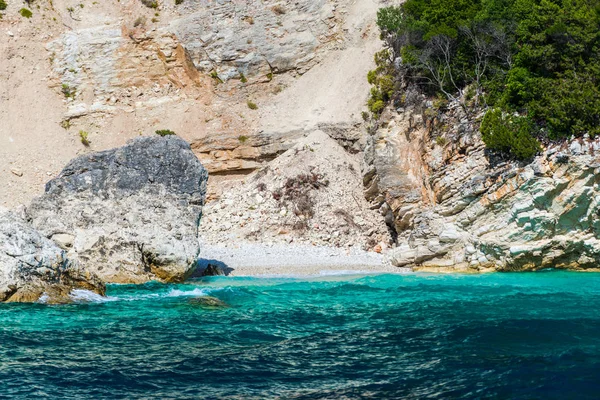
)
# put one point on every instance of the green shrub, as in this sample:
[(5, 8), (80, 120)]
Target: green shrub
[(243, 78), (68, 91), (178, 2), (215, 76), (25, 13), (537, 59), (252, 105), (243, 139), (510, 135), (3, 5), (65, 124), (83, 136), (376, 106), (165, 132)]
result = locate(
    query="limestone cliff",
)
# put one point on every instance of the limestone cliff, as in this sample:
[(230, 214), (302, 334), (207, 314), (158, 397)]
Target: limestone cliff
[(118, 69), (456, 206)]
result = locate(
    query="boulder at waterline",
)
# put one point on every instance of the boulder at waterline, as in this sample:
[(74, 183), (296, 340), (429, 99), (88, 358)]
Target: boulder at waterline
[(130, 214), (32, 266)]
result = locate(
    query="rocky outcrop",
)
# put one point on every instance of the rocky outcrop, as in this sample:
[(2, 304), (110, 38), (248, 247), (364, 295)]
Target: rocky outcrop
[(130, 214), (248, 39), (456, 207), (310, 194), (109, 68), (33, 268)]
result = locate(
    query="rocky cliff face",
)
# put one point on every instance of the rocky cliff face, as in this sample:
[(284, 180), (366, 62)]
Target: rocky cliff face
[(34, 268), (118, 69), (255, 39), (455, 207), (128, 215)]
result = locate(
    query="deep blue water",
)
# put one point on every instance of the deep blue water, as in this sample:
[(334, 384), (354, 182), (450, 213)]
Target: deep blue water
[(520, 336)]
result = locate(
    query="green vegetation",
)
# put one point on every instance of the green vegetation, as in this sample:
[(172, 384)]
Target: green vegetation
[(83, 136), (25, 12), (215, 76), (178, 2), (243, 78), (165, 132), (252, 105), (3, 5), (243, 139), (534, 65), (68, 91), (66, 124)]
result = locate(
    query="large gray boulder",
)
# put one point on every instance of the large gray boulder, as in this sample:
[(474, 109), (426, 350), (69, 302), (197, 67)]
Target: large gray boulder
[(33, 267), (129, 215)]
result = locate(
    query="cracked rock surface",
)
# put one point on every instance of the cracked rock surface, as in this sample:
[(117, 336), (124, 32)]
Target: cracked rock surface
[(33, 268), (129, 215)]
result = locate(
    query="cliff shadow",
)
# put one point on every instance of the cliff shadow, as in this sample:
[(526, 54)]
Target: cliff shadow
[(210, 267)]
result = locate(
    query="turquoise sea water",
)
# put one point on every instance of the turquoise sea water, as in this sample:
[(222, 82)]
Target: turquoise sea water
[(520, 336)]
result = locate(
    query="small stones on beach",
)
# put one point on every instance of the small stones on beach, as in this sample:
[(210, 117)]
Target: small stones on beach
[(16, 172)]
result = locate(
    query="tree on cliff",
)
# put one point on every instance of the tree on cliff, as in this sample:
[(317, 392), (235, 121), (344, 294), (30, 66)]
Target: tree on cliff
[(534, 64)]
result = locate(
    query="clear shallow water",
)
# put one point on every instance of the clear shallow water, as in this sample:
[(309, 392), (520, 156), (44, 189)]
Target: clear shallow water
[(387, 336)]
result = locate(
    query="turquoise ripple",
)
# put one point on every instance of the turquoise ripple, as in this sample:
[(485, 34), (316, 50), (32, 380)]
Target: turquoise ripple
[(411, 336)]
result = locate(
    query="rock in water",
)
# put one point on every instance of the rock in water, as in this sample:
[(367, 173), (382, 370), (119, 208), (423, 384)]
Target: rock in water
[(208, 302), (130, 214), (31, 266)]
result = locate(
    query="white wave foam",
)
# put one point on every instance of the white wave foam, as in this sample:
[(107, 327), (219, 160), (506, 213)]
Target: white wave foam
[(43, 298), (186, 293), (86, 296)]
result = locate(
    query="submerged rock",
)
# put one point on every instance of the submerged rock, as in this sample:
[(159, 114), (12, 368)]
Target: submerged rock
[(130, 214), (208, 302), (32, 266)]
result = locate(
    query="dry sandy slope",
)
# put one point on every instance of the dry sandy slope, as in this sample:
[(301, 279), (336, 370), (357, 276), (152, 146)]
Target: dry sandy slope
[(34, 147), (334, 91)]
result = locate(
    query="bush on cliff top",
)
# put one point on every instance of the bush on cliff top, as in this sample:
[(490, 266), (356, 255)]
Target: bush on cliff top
[(538, 59), (3, 5)]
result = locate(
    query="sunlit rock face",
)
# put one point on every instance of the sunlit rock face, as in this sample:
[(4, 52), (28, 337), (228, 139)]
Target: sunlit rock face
[(129, 215), (33, 268), (457, 207)]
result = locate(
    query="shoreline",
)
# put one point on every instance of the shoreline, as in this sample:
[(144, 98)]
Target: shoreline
[(263, 260)]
